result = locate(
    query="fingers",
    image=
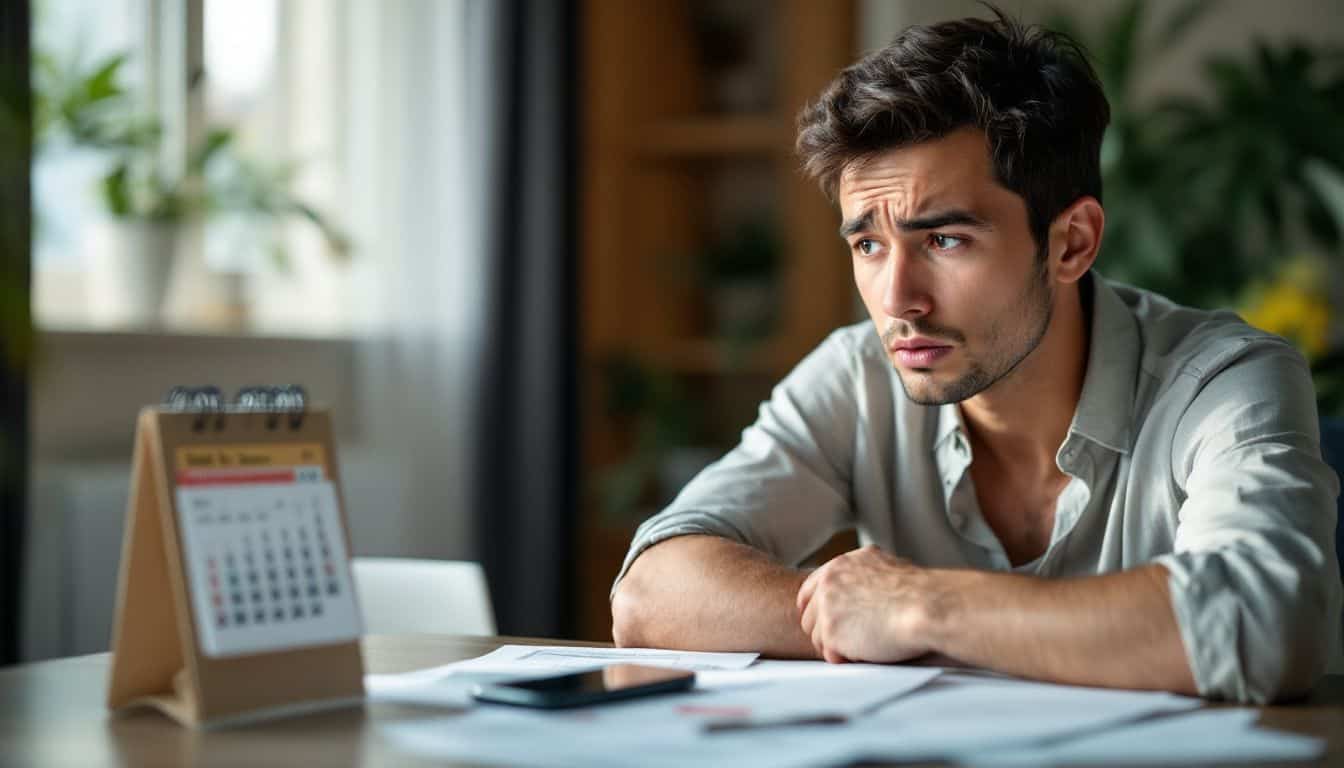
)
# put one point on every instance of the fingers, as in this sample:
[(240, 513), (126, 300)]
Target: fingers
[(809, 601), (809, 618), (808, 622), (809, 586), (817, 644), (809, 607), (823, 650)]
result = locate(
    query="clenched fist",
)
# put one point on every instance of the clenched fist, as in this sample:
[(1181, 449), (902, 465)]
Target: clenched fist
[(868, 605)]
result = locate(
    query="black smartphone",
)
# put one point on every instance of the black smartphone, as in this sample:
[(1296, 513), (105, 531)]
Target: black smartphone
[(618, 681)]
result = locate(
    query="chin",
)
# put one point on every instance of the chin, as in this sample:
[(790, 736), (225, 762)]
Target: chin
[(924, 388), (928, 398), (920, 388)]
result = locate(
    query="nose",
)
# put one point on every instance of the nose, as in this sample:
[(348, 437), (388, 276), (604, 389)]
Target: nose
[(904, 293)]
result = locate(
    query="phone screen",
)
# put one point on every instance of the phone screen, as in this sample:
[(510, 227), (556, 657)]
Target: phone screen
[(614, 678), (619, 681)]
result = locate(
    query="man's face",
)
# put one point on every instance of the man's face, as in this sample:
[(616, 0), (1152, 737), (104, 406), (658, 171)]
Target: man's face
[(946, 265)]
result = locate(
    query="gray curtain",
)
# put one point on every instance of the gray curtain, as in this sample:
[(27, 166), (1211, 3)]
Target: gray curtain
[(524, 482), (15, 316)]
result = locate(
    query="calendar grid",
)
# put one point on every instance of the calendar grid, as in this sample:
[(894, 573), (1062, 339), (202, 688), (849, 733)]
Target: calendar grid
[(266, 571)]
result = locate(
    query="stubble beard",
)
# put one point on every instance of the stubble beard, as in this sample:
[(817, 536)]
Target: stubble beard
[(1038, 300)]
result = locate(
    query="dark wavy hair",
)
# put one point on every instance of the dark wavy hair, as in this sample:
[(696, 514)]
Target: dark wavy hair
[(1030, 90)]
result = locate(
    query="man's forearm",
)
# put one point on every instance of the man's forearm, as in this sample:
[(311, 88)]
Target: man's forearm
[(1114, 630), (709, 593)]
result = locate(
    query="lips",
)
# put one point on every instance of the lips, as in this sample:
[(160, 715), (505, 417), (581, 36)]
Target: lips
[(919, 353)]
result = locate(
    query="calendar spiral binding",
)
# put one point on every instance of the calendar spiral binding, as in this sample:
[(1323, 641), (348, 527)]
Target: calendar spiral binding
[(208, 403)]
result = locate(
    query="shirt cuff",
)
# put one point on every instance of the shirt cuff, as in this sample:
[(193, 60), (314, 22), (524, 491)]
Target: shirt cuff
[(1208, 621), (659, 528)]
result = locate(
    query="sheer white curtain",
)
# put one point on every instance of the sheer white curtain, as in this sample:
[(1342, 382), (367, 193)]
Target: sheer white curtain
[(417, 162)]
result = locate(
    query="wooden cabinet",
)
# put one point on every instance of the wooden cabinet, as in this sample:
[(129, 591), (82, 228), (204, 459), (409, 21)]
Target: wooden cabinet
[(688, 116)]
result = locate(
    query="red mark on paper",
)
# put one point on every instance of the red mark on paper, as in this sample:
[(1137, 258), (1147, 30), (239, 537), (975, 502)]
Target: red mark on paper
[(697, 709)]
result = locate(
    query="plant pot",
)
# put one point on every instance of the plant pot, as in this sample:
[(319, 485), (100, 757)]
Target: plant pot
[(129, 269)]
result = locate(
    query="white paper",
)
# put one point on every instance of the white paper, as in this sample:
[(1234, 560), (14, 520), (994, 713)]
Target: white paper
[(958, 716), (671, 729), (780, 691), (450, 685), (1212, 736), (497, 736), (965, 713), (450, 690), (523, 659), (771, 671)]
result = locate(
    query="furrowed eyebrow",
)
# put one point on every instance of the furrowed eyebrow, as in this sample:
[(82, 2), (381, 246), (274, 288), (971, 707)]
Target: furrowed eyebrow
[(955, 217), (856, 225)]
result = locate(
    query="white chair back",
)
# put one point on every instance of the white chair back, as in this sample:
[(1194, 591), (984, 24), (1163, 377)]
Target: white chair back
[(406, 596)]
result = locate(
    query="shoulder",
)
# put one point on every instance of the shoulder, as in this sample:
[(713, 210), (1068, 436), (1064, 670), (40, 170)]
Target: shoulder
[(859, 341), (851, 352), (1182, 343), (1214, 383)]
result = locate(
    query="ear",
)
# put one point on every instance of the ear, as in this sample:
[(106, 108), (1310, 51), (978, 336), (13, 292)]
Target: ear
[(1075, 238)]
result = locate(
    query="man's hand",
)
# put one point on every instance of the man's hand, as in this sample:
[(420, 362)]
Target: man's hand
[(1116, 630), (868, 605)]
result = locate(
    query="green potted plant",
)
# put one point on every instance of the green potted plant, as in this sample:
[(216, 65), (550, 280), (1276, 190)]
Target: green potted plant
[(1222, 198), (147, 206)]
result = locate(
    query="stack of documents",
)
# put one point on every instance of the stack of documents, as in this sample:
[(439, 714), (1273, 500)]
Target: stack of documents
[(746, 712), (450, 685)]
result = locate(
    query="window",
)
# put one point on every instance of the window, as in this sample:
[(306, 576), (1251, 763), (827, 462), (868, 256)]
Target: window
[(204, 241)]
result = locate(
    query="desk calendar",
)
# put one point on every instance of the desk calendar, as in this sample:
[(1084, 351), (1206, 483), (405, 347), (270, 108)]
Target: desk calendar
[(235, 599), (264, 549)]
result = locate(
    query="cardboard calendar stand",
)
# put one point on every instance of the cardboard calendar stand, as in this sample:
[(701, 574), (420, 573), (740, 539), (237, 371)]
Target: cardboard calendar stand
[(161, 655)]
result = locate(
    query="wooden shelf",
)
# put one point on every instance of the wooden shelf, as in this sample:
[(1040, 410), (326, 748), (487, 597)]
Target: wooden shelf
[(763, 135), (714, 356), (662, 180), (708, 357)]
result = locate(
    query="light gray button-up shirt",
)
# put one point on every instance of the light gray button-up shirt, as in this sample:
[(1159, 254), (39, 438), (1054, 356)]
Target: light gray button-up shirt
[(1195, 444)]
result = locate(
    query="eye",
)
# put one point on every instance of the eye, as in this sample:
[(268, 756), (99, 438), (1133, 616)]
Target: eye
[(945, 242), (867, 246)]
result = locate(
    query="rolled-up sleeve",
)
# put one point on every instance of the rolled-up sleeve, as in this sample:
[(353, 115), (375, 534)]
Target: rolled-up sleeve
[(785, 488), (1254, 579)]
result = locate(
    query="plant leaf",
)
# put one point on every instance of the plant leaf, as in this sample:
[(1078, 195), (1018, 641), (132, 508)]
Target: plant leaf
[(116, 190), (336, 240), (1328, 183), (102, 84), (215, 142)]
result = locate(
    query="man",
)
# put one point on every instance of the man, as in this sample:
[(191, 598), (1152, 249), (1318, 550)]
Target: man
[(1055, 476)]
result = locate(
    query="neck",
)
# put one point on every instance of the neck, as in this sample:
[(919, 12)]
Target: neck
[(1022, 420)]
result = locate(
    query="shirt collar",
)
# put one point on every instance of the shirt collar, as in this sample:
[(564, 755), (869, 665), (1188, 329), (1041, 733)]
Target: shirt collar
[(1105, 413), (949, 423)]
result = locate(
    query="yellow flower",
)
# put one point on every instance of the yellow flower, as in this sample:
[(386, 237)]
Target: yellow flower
[(1294, 307)]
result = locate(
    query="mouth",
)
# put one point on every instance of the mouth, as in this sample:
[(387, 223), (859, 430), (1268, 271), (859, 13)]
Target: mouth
[(919, 353)]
